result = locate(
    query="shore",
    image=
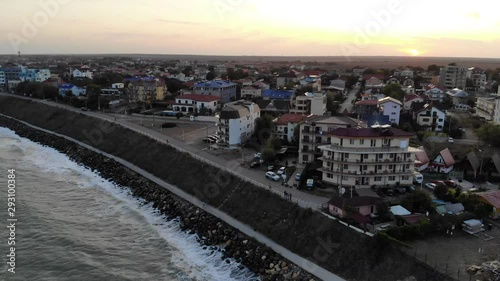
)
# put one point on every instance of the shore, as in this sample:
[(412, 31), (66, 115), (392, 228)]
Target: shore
[(212, 233), (307, 233)]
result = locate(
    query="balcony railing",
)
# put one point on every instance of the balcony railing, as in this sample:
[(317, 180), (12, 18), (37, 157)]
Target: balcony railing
[(368, 161), (372, 173), (371, 150)]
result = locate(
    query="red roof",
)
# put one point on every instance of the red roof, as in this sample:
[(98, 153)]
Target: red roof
[(378, 76), (422, 157), (369, 133), (493, 197), (412, 97), (289, 118), (202, 98), (367, 102), (447, 157)]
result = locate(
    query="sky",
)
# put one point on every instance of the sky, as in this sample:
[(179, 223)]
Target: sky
[(437, 28)]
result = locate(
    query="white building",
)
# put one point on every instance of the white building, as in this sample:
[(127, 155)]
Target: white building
[(365, 157), (390, 107), (310, 103), (458, 96), (3, 81), (77, 73), (478, 77), (453, 76), (496, 116), (237, 122), (434, 93), (284, 126), (35, 75), (194, 103), (431, 117), (404, 73), (251, 92), (485, 107)]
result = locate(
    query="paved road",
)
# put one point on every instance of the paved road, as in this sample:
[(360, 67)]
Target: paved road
[(347, 104), (298, 260), (235, 167)]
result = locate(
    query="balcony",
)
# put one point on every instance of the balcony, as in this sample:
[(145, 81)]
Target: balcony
[(371, 173), (368, 161), (370, 150), (221, 124)]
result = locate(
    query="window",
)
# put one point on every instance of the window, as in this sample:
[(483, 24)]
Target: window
[(392, 178), (407, 166), (329, 153), (405, 178), (346, 166), (330, 176), (373, 143), (365, 156), (345, 178), (394, 106), (425, 120), (361, 141), (379, 167), (351, 141), (391, 167), (378, 179), (305, 158), (346, 155), (440, 120), (393, 113)]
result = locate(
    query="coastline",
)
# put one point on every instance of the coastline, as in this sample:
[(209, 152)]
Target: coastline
[(212, 233), (301, 231)]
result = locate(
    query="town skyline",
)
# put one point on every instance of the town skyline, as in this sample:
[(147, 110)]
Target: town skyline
[(251, 28)]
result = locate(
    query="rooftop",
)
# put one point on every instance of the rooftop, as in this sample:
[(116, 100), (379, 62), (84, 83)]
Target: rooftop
[(369, 133), (289, 118), (200, 98), (214, 84)]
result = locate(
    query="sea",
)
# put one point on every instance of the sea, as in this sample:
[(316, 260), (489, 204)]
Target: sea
[(74, 225)]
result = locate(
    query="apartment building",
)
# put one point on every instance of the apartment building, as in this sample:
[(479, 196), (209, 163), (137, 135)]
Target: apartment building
[(81, 73), (35, 75), (310, 103), (251, 92), (314, 133), (390, 107), (435, 93), (145, 89), (477, 76), (430, 117), (194, 103), (285, 125), (365, 157), (496, 115), (453, 76), (284, 79), (237, 123)]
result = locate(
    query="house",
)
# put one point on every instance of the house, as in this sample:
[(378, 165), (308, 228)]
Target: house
[(409, 90), (261, 85), (431, 117), (284, 79), (450, 209), (401, 80), (453, 76), (225, 90), (443, 163), (273, 107), (250, 92), (285, 125), (367, 157), (366, 107), (75, 91), (338, 85), (358, 71), (435, 93), (363, 205), (458, 96), (492, 198), (391, 107), (421, 160), (35, 75), (278, 95), (314, 133), (411, 219), (81, 73), (380, 120), (404, 73), (237, 123), (195, 103), (374, 83), (411, 98)]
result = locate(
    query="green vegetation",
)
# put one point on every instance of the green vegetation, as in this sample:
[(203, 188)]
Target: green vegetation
[(489, 133), (394, 91)]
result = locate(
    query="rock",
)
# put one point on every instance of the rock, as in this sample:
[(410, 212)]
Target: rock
[(295, 275), (263, 257), (283, 264), (271, 265), (244, 242)]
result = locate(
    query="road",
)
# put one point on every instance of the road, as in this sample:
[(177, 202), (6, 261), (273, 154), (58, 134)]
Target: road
[(234, 167), (347, 104), (305, 264)]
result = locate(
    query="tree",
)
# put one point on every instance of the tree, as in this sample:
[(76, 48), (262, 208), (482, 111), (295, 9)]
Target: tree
[(418, 201), (489, 133), (433, 68), (394, 91), (383, 210), (263, 128), (210, 75), (203, 111)]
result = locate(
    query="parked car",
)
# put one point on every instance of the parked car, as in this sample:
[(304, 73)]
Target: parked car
[(281, 171), (389, 191), (272, 176), (310, 183), (297, 177), (450, 140), (438, 182), (410, 188), (270, 167), (431, 186), (254, 164), (257, 155), (450, 183), (400, 190)]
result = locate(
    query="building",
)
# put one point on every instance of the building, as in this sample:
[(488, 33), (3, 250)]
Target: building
[(145, 89), (458, 96), (390, 107), (251, 92), (401, 80), (83, 73), (431, 117), (485, 107), (435, 93), (364, 205), (285, 125), (365, 157), (453, 76), (310, 103), (273, 107), (410, 99), (284, 79), (477, 77), (75, 91), (12, 72), (314, 133), (496, 116), (366, 107), (3, 80), (35, 75), (117, 86), (225, 90), (492, 198), (374, 83), (195, 103), (278, 94), (237, 122), (443, 163), (404, 73)]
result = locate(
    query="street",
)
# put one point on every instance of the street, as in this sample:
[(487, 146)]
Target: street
[(347, 104)]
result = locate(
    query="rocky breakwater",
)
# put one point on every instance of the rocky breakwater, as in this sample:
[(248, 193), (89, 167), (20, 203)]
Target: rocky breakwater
[(212, 233)]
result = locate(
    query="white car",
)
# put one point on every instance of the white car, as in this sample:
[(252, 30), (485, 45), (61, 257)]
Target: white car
[(257, 155), (281, 171), (450, 140), (430, 186), (272, 176)]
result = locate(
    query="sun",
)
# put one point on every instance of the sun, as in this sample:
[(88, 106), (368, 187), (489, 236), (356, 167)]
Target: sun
[(413, 52)]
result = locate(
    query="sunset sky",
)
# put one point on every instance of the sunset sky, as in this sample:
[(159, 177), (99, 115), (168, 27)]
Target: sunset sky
[(253, 27)]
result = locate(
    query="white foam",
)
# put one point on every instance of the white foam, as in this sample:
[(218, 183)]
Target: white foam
[(194, 262)]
